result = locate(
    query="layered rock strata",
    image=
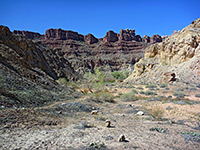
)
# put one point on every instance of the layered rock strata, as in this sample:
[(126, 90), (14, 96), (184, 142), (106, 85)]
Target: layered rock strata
[(178, 54), (113, 52)]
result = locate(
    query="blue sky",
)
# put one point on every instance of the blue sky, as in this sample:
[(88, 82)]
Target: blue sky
[(147, 17)]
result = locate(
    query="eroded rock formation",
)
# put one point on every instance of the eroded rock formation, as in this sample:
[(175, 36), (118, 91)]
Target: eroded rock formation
[(113, 52), (178, 53), (28, 71)]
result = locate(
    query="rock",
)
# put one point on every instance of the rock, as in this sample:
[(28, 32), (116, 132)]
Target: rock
[(28, 34), (146, 39), (127, 35), (140, 113), (155, 38), (110, 37), (30, 66), (60, 34), (94, 112), (178, 53), (168, 77), (105, 54), (108, 123), (90, 39), (138, 38), (122, 138)]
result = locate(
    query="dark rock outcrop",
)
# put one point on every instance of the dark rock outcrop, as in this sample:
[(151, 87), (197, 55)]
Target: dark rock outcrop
[(90, 39), (127, 35), (146, 39), (28, 71), (60, 34), (110, 37), (113, 52), (155, 38), (28, 34)]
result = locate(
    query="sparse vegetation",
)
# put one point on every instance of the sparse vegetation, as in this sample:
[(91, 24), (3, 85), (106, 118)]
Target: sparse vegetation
[(197, 95), (160, 130), (163, 85), (128, 97), (134, 91), (119, 75), (157, 113), (151, 86), (150, 93), (102, 96), (179, 94)]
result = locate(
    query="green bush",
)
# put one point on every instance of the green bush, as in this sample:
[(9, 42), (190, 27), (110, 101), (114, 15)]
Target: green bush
[(197, 95), (150, 93), (151, 86), (128, 97), (140, 88), (163, 85), (62, 81), (134, 91), (118, 75), (179, 94), (102, 96), (142, 92)]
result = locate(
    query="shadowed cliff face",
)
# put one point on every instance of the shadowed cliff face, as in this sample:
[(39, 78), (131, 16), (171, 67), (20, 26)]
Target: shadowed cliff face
[(113, 52), (26, 65), (178, 54)]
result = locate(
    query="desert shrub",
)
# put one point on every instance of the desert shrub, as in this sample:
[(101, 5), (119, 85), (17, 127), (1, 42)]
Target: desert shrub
[(140, 88), (160, 130), (72, 84), (197, 95), (150, 93), (193, 88), (94, 80), (198, 85), (142, 92), (108, 78), (167, 88), (157, 112), (163, 85), (96, 146), (118, 75), (62, 81), (180, 89), (120, 93), (151, 86), (190, 136), (169, 96), (103, 96), (134, 91), (179, 94), (128, 97)]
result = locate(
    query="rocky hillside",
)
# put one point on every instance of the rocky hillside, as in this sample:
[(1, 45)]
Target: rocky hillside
[(28, 71), (176, 58), (113, 52)]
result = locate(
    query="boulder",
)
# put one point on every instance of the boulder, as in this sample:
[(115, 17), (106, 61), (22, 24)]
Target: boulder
[(108, 123), (168, 77), (122, 138)]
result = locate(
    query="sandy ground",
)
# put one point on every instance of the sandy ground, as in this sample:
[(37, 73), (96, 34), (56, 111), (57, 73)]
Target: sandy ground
[(177, 130)]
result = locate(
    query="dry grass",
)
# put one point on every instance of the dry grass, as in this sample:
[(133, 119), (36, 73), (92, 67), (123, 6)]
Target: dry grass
[(157, 112)]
